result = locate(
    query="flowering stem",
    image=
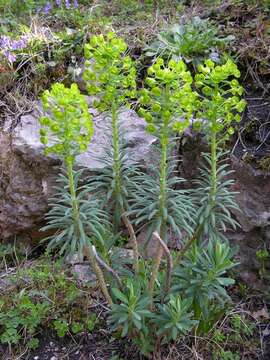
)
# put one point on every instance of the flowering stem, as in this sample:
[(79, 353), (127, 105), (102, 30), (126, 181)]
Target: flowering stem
[(75, 208), (162, 206), (134, 243), (213, 190), (76, 219), (116, 165)]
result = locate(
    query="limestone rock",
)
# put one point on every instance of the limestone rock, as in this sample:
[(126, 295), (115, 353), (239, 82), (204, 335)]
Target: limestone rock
[(27, 176), (253, 197), (83, 273)]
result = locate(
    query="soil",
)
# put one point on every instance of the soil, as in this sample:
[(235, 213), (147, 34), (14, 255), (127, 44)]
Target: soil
[(252, 143)]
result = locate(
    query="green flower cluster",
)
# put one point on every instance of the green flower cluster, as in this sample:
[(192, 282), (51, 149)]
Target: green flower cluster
[(109, 72), (221, 92), (168, 101), (67, 121)]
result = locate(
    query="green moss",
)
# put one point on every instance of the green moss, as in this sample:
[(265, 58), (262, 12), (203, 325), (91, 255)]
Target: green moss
[(44, 295), (264, 163)]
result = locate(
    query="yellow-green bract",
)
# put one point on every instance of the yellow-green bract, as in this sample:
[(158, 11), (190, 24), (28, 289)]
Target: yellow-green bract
[(168, 101), (221, 95), (109, 72), (67, 121)]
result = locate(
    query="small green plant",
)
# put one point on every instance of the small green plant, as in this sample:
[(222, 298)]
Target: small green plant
[(76, 327), (132, 311), (21, 319), (218, 336), (242, 327), (226, 355), (194, 40), (200, 278), (174, 318), (61, 327), (149, 328), (262, 255), (69, 128), (45, 296), (91, 322)]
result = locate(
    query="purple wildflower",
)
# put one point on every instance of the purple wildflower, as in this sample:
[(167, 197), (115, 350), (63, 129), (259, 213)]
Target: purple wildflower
[(9, 56), (20, 44), (58, 3), (47, 8), (5, 42), (67, 4), (7, 45), (75, 4)]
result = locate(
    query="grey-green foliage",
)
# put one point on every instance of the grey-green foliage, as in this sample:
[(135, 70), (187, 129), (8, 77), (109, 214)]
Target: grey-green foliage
[(177, 211), (72, 236), (133, 317), (132, 310), (194, 40), (201, 277), (174, 318), (111, 183), (214, 211)]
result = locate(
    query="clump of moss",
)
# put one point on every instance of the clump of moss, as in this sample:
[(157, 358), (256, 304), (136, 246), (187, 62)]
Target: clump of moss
[(264, 163)]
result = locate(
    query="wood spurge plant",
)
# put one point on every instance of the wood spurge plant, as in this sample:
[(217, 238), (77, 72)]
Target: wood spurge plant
[(167, 103), (220, 106), (152, 302), (74, 219), (111, 76)]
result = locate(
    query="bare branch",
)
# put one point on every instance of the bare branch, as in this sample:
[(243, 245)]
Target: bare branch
[(107, 267), (133, 240), (169, 263)]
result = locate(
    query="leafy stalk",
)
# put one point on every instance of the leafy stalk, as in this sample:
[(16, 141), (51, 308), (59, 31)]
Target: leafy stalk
[(157, 203), (112, 76), (75, 209), (162, 210), (117, 188), (88, 251), (213, 190), (220, 105), (69, 121)]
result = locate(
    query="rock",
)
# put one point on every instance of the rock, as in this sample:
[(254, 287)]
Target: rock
[(253, 197), (27, 176), (24, 188), (123, 253), (83, 273), (26, 143), (253, 186), (173, 242), (73, 259)]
